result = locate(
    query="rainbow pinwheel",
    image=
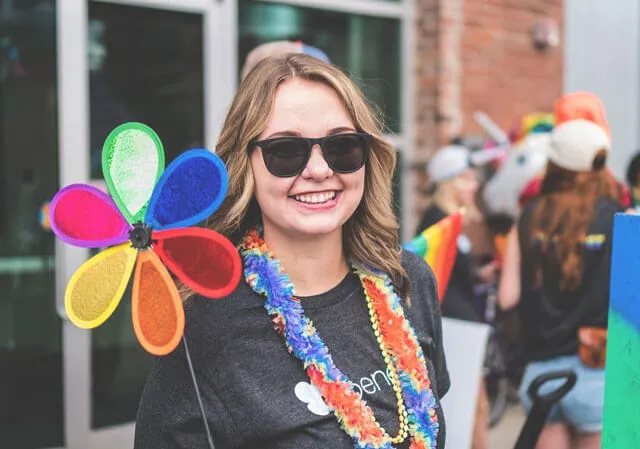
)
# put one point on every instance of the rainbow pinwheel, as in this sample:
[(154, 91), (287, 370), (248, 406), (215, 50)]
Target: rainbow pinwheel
[(146, 223)]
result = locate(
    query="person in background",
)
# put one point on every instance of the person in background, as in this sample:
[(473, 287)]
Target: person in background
[(561, 289), (633, 180), (454, 184), (278, 48)]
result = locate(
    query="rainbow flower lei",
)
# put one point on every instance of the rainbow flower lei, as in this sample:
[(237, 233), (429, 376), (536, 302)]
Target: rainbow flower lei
[(266, 277)]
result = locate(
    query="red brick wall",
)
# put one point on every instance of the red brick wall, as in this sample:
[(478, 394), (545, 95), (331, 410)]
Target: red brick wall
[(479, 55), (503, 74)]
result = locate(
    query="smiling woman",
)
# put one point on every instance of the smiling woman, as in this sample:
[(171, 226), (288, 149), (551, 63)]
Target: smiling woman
[(309, 205), (318, 201)]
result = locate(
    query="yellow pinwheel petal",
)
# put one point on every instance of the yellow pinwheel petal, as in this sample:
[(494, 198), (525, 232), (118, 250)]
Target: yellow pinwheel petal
[(95, 290)]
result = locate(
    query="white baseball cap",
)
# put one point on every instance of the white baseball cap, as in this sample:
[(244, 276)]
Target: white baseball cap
[(575, 143), (448, 162)]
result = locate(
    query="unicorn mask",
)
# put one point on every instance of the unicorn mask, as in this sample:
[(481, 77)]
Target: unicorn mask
[(522, 164)]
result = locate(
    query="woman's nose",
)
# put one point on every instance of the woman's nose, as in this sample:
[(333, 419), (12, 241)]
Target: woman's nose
[(317, 167)]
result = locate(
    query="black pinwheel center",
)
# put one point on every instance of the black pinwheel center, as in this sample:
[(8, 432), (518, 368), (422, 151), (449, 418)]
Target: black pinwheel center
[(140, 236)]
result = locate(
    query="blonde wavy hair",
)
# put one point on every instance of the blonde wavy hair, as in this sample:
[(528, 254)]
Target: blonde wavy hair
[(371, 234)]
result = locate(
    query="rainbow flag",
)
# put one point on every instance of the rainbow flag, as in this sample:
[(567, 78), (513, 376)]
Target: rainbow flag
[(438, 246)]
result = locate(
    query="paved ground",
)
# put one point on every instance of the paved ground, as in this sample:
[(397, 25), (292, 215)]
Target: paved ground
[(504, 435)]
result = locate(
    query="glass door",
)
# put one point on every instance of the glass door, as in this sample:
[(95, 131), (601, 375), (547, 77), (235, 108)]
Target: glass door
[(145, 65), (168, 64), (31, 364)]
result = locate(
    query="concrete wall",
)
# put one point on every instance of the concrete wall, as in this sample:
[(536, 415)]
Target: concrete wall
[(602, 55)]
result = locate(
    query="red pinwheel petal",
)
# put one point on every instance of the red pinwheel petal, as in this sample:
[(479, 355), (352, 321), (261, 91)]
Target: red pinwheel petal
[(203, 259), (85, 216)]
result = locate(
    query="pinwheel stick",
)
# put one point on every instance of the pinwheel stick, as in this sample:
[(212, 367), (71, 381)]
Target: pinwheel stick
[(198, 396)]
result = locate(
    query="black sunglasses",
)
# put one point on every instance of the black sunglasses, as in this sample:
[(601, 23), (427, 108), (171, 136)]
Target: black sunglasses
[(288, 156)]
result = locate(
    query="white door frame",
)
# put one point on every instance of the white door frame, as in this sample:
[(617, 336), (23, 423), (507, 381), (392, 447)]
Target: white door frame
[(220, 69)]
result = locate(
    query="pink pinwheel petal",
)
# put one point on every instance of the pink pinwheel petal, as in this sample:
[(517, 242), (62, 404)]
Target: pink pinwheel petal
[(85, 216)]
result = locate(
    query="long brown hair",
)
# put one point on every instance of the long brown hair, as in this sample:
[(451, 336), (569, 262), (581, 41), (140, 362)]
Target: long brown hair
[(562, 217), (371, 234)]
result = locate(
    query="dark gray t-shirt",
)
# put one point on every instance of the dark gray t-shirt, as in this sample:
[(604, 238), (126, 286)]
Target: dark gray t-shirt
[(257, 395), (550, 318)]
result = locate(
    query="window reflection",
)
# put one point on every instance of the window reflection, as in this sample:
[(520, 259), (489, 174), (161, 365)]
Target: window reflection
[(146, 65), (368, 47), (30, 330)]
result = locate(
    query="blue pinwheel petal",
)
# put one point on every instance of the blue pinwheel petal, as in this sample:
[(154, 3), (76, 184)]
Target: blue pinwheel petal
[(191, 189)]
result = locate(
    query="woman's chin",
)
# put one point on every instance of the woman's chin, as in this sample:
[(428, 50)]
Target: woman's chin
[(310, 228)]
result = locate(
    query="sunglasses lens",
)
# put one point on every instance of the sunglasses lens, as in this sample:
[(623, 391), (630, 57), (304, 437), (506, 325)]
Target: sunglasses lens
[(346, 153), (285, 157)]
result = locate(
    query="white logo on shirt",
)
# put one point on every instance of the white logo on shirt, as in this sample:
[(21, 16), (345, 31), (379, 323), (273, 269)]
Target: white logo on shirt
[(310, 395)]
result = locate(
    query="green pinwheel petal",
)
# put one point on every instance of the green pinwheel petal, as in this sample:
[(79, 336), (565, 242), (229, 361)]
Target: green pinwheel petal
[(132, 162)]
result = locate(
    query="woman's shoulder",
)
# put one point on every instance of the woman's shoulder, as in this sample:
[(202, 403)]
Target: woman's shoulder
[(609, 206), (604, 212), (423, 312)]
